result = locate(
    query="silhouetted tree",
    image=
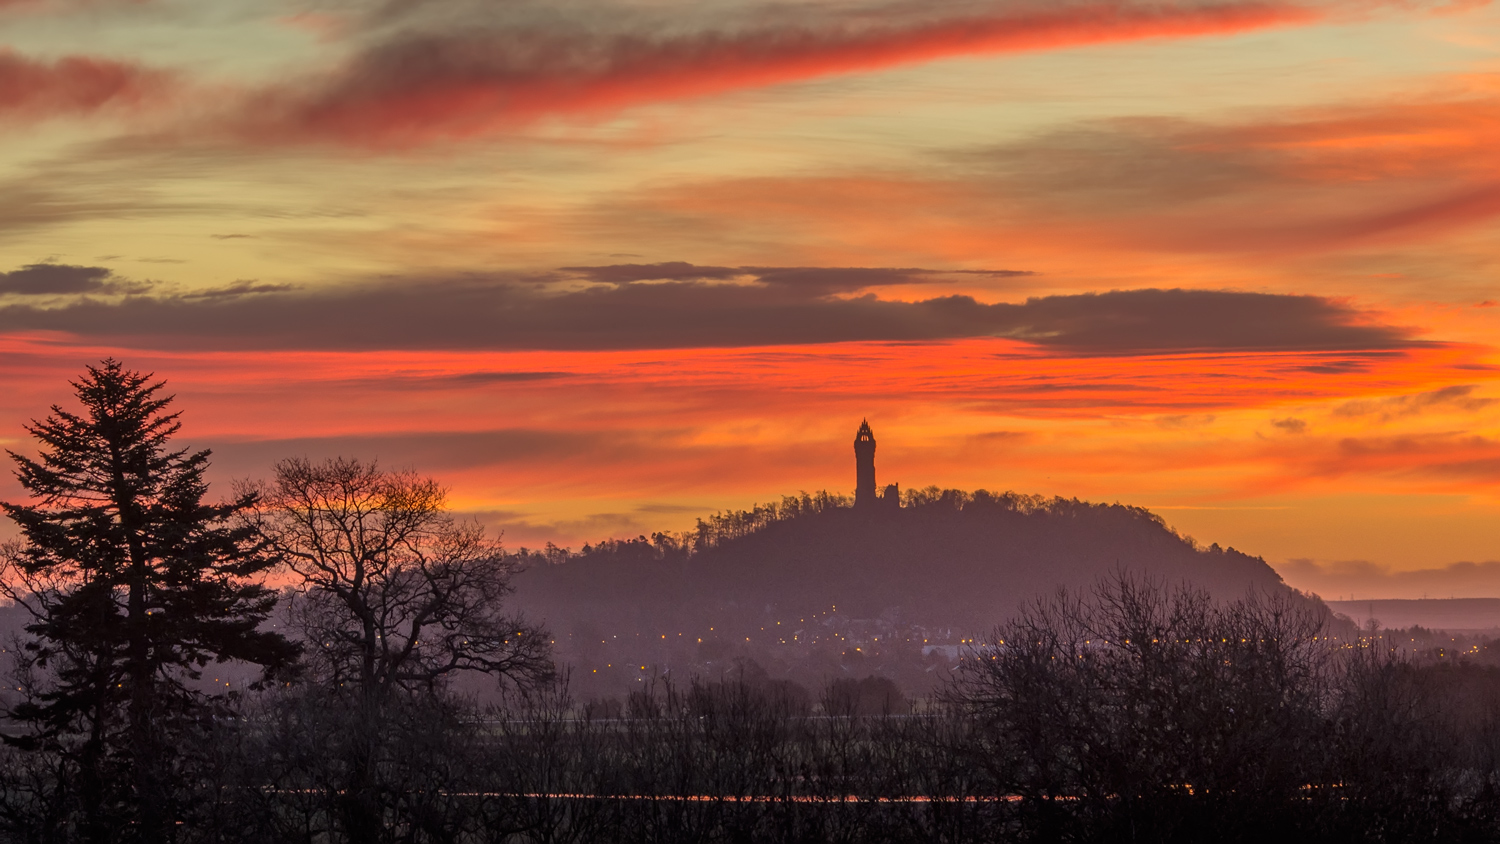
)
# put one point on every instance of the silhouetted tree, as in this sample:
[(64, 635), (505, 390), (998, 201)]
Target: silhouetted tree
[(396, 597), (133, 584), (395, 592), (1128, 701)]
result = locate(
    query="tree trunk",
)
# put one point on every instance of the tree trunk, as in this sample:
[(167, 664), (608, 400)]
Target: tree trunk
[(360, 802), (149, 819), (90, 768), (142, 745)]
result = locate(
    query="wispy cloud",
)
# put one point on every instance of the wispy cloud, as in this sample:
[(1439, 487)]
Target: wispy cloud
[(242, 287), (1459, 397), (418, 86), (1277, 187), (808, 280), (75, 85)]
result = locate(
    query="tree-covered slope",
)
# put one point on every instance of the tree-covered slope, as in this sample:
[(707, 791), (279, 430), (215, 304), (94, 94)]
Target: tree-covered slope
[(785, 582), (951, 558)]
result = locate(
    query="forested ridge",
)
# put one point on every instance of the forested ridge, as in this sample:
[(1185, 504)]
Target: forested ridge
[(941, 570)]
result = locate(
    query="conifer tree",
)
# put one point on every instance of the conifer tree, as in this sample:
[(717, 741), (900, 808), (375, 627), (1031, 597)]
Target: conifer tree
[(134, 584)]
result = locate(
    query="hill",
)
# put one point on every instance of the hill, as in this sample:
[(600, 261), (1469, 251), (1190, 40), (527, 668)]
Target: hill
[(813, 586)]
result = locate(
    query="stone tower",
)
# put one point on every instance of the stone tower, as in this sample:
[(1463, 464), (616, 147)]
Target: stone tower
[(864, 463)]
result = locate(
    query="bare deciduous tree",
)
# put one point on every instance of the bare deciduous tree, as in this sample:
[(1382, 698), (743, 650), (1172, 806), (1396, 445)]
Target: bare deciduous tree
[(395, 593)]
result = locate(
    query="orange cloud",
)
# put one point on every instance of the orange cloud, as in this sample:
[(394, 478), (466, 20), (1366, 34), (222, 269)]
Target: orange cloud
[(320, 394), (544, 438), (1093, 198)]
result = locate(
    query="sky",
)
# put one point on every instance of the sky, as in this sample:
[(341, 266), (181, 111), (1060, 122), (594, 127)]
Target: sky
[(605, 266)]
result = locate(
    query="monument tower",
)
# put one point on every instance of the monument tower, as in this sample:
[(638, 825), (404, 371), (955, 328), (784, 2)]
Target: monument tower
[(864, 463)]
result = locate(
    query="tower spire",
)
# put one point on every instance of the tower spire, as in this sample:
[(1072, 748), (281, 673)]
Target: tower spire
[(864, 466)]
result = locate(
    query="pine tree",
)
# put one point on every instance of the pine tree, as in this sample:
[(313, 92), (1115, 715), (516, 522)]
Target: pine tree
[(134, 585)]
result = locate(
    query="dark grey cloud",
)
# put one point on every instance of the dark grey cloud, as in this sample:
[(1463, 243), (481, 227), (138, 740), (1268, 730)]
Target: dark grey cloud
[(56, 279), (1186, 320), (74, 281), (1291, 425), (497, 312)]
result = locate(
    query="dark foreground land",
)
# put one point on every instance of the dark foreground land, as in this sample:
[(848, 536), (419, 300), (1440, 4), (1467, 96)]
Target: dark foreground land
[(1131, 713)]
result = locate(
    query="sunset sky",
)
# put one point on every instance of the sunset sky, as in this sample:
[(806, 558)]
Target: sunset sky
[(605, 266)]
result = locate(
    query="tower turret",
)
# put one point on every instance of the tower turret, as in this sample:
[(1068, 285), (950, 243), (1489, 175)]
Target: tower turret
[(864, 466)]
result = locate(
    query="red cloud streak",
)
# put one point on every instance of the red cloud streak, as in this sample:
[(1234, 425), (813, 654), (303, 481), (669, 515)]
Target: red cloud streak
[(72, 85), (412, 91)]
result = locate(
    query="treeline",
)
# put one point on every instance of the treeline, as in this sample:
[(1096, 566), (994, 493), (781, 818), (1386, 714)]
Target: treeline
[(1130, 714), (711, 532), (728, 526)]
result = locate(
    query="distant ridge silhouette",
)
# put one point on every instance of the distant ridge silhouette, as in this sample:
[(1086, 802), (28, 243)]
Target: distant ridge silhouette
[(819, 584), (815, 587), (946, 557)]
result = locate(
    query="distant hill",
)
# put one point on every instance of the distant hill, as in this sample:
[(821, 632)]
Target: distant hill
[(944, 567), (1455, 614)]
